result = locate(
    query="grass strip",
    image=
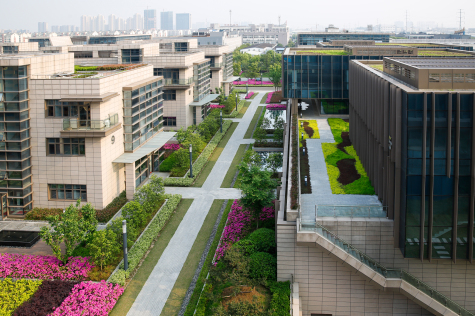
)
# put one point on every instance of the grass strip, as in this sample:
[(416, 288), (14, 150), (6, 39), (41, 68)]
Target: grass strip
[(250, 129), (244, 109), (214, 156), (264, 98), (228, 179), (135, 286), (260, 121), (175, 299), (207, 265)]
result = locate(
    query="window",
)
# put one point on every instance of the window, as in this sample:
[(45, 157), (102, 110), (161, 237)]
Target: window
[(169, 121), (67, 192), (142, 169), (82, 54), (131, 56), (181, 47), (56, 108), (458, 78), (169, 95), (106, 53), (446, 77), (66, 146), (10, 49), (434, 77)]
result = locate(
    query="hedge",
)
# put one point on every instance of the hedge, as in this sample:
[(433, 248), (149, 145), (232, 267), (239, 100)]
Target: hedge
[(142, 245), (280, 303), (235, 113), (186, 181), (294, 175), (104, 215), (14, 293), (40, 214)]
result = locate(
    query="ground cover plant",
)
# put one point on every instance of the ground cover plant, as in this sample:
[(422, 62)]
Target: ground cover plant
[(309, 128), (250, 95), (14, 293), (441, 53), (322, 52), (276, 107), (276, 97), (345, 170)]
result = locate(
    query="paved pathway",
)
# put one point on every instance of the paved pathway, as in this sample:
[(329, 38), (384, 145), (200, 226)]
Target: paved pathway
[(155, 292), (321, 190)]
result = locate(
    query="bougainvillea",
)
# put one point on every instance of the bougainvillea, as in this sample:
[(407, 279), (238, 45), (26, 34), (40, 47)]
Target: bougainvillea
[(249, 95), (238, 221), (216, 106), (276, 107), (43, 267), (89, 298), (172, 147), (267, 213), (253, 82), (269, 96)]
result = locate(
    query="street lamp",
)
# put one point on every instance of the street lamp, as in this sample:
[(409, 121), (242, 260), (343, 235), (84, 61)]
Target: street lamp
[(302, 135), (247, 88), (237, 99), (221, 121), (124, 234), (191, 161)]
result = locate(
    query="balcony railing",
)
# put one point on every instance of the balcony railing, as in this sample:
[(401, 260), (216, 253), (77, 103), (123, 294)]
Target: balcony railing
[(351, 211), (77, 124), (216, 65), (178, 82)]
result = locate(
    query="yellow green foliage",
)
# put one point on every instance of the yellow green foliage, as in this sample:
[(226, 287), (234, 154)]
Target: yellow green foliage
[(313, 124), (14, 293), (322, 52)]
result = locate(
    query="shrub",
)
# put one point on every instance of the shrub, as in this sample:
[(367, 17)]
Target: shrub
[(46, 299), (90, 298), (246, 246), (142, 245), (279, 305), (103, 248), (135, 214), (116, 227), (14, 293), (263, 265), (168, 163), (81, 251), (104, 215), (264, 240), (40, 214)]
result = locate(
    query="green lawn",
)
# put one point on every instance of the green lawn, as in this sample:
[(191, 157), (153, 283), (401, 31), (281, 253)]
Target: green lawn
[(244, 109), (175, 299), (214, 157), (135, 286), (209, 258), (254, 120), (264, 98), (228, 179)]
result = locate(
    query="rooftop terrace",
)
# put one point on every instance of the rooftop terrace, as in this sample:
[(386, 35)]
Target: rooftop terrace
[(421, 52)]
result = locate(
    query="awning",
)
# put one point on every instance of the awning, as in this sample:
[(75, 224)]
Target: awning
[(89, 98), (231, 79), (152, 144), (207, 99)]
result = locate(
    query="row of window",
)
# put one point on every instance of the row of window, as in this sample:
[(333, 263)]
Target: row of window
[(66, 146), (13, 85), (455, 78), (67, 192), (169, 121)]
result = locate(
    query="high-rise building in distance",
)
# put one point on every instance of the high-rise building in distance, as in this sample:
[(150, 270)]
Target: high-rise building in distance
[(183, 21), (42, 27), (150, 19), (166, 20)]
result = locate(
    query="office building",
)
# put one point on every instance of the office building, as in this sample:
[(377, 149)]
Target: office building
[(221, 66), (183, 21), (72, 138), (233, 40), (258, 33), (150, 19), (42, 27), (312, 38), (166, 20)]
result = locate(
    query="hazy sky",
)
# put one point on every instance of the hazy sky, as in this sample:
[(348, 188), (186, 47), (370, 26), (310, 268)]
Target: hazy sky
[(25, 14)]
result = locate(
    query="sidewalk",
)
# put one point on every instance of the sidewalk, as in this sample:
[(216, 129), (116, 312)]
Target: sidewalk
[(155, 292)]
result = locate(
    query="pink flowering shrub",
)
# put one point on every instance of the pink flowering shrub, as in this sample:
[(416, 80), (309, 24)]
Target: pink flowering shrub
[(268, 212), (249, 95), (269, 96), (90, 298), (253, 82), (172, 147), (216, 106), (238, 221), (276, 106), (19, 266)]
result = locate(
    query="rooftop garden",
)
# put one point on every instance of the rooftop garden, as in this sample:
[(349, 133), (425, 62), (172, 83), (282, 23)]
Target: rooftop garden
[(107, 67), (377, 67), (322, 52), (441, 53)]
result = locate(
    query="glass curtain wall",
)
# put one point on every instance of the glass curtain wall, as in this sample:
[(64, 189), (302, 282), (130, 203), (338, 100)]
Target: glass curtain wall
[(15, 156), (202, 80)]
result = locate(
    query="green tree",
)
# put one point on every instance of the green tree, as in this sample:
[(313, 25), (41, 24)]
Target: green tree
[(291, 43), (278, 130), (116, 228), (236, 68), (275, 74), (257, 188), (150, 195), (74, 227), (260, 135), (103, 248), (253, 70), (135, 214), (274, 161)]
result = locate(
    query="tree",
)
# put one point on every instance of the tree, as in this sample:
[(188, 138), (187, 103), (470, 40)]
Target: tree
[(252, 158), (291, 43), (275, 74), (103, 248), (257, 188), (72, 228), (253, 70), (274, 161), (135, 214), (150, 195), (236, 68), (260, 134), (279, 130)]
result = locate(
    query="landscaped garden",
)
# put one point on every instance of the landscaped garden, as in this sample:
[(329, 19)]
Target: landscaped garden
[(322, 52), (345, 170), (309, 128), (270, 127)]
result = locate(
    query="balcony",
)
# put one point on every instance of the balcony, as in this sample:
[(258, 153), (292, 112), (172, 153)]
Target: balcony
[(76, 127), (216, 66), (178, 83)]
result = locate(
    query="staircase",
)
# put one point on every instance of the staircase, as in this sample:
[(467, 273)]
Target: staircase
[(384, 278)]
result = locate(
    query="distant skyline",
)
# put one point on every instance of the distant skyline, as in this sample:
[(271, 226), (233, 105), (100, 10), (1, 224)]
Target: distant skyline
[(299, 14)]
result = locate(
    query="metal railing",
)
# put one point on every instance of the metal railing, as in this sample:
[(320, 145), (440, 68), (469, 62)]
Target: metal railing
[(216, 65), (351, 211), (76, 123), (172, 82), (380, 269)]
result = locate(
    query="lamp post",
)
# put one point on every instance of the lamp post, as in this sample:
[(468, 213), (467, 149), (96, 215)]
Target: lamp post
[(221, 120), (191, 161), (124, 234), (237, 100), (302, 135), (247, 88)]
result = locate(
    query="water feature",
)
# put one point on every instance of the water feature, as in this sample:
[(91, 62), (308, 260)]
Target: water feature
[(18, 238)]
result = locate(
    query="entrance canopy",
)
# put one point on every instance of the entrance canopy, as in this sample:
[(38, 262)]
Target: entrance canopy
[(151, 145)]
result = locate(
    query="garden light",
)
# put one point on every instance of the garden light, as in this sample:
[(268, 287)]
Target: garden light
[(221, 120), (302, 135), (305, 180), (303, 149), (124, 234), (191, 161)]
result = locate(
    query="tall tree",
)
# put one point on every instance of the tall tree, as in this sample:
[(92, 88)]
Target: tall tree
[(275, 74), (253, 70)]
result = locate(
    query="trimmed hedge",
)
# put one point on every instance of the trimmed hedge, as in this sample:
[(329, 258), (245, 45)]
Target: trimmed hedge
[(234, 113), (201, 161), (263, 240), (104, 215), (141, 246), (40, 214), (279, 305), (46, 299), (294, 175), (263, 265)]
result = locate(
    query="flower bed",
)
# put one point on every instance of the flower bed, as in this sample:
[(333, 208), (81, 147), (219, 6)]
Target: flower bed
[(14, 293), (253, 82), (269, 96), (216, 106), (43, 267), (249, 95), (276, 107), (89, 298), (238, 219), (172, 147)]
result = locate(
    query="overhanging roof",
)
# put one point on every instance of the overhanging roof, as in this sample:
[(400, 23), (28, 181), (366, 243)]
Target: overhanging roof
[(89, 98), (205, 100), (152, 144), (231, 79)]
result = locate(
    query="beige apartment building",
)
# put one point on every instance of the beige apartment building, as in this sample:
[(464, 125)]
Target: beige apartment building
[(69, 136)]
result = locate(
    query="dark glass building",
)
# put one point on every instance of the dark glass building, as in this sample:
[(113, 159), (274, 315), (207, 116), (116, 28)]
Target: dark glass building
[(318, 37), (411, 122)]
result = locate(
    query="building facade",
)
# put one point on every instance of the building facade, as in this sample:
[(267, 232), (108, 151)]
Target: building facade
[(150, 19), (183, 21), (42, 27), (312, 38), (166, 20)]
